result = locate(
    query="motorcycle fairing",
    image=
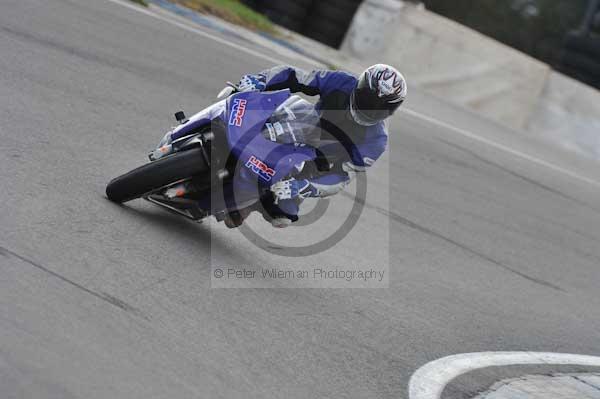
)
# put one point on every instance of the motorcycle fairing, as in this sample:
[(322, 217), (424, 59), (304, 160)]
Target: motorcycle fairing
[(261, 161)]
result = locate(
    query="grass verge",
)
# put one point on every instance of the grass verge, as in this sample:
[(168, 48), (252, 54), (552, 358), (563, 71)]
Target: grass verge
[(140, 2), (232, 11)]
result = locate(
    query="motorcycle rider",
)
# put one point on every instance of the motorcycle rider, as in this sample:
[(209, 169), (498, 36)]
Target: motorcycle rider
[(352, 110)]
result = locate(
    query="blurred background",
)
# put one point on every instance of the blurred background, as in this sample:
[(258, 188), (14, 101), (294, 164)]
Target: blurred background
[(565, 34)]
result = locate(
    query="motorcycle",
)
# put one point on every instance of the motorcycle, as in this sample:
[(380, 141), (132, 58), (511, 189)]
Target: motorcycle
[(230, 164)]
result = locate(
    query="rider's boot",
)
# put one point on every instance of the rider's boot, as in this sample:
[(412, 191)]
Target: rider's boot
[(233, 219), (236, 218), (280, 222), (278, 217)]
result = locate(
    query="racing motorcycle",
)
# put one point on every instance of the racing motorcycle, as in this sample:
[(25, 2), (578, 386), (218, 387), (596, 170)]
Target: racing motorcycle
[(230, 163)]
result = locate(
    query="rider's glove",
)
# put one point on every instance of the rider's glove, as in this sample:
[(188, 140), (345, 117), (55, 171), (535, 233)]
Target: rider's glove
[(289, 189), (252, 83)]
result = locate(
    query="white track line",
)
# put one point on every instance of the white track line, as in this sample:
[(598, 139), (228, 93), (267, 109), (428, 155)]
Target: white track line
[(419, 115), (429, 381), (502, 147)]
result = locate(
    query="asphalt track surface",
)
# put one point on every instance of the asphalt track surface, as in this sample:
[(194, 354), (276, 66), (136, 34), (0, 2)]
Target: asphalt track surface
[(488, 251)]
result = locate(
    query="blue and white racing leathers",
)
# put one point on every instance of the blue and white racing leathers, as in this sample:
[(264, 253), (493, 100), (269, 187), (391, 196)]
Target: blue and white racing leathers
[(355, 146)]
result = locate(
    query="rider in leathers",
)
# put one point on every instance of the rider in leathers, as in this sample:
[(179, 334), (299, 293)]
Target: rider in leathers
[(352, 110)]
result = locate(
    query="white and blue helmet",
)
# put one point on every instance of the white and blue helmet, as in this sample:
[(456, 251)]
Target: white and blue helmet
[(380, 91)]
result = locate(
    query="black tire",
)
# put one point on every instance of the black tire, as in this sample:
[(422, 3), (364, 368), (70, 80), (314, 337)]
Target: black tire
[(586, 45), (287, 13), (325, 32), (333, 12), (581, 62), (156, 174), (291, 23), (288, 8), (304, 4), (327, 28), (333, 42), (343, 3), (250, 3)]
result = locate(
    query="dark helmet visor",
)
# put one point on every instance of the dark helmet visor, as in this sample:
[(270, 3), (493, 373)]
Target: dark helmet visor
[(370, 106)]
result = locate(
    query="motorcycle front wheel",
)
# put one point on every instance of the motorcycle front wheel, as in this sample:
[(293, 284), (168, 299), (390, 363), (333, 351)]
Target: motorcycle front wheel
[(157, 174)]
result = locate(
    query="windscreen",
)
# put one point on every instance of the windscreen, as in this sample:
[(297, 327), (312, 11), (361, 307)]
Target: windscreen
[(295, 121)]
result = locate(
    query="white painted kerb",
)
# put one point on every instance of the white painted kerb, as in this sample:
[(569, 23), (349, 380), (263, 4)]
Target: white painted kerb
[(429, 381)]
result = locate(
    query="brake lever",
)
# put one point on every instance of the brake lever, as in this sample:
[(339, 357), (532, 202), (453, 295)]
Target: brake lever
[(228, 90)]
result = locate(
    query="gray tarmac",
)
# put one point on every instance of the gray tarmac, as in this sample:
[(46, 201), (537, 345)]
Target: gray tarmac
[(487, 251)]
